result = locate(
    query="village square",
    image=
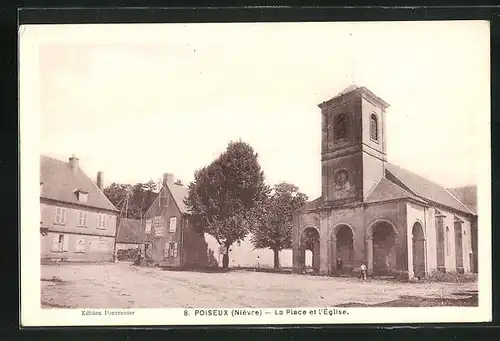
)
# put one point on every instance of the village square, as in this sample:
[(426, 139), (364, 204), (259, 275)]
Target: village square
[(379, 235), (256, 165)]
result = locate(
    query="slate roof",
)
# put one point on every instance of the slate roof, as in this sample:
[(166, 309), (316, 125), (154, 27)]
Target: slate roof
[(386, 190), (467, 195), (179, 193), (60, 182), (424, 188), (129, 231)]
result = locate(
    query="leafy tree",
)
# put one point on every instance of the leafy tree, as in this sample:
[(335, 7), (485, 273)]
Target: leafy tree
[(274, 220), (224, 195), (141, 196)]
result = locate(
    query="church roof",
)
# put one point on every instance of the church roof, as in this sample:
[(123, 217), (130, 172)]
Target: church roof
[(311, 205), (424, 188), (386, 190), (467, 195)]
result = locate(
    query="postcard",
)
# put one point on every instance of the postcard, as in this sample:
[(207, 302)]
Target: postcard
[(255, 173)]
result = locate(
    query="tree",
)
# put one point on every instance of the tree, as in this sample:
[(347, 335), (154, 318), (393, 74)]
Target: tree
[(274, 220), (224, 195), (141, 196)]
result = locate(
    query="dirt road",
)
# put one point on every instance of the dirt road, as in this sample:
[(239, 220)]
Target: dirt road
[(122, 285)]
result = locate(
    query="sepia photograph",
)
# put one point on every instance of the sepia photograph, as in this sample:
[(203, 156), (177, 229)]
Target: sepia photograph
[(255, 173)]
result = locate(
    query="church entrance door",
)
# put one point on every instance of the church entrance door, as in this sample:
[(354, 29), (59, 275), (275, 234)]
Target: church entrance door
[(309, 241), (383, 249), (341, 250)]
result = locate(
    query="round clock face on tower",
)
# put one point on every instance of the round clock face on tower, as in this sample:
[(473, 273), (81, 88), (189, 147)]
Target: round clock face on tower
[(341, 177)]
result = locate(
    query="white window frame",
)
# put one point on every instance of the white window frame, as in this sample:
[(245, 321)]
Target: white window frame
[(83, 197), (82, 218), (60, 218), (101, 221), (172, 222), (77, 249), (62, 244), (176, 250), (148, 228)]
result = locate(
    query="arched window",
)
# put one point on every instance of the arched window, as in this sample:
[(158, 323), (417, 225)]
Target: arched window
[(340, 127), (374, 127)]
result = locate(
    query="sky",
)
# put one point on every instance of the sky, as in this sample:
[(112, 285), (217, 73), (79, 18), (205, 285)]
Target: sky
[(135, 101)]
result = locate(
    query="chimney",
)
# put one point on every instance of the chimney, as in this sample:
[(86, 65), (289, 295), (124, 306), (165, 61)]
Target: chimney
[(73, 163), (168, 178), (99, 181)]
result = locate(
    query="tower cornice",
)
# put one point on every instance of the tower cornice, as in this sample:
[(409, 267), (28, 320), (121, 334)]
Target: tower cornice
[(347, 96)]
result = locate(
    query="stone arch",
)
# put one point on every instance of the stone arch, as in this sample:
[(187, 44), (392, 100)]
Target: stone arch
[(418, 249), (341, 248), (334, 230), (309, 240), (381, 246), (369, 230), (421, 224)]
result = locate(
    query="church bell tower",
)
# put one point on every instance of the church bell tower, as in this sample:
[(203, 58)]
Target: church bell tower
[(353, 146)]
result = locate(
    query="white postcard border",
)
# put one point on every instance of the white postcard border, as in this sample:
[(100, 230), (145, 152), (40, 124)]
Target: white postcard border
[(31, 313)]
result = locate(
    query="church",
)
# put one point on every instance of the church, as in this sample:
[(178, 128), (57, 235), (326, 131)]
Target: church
[(371, 211)]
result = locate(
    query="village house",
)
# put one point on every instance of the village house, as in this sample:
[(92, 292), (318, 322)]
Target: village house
[(372, 211), (170, 239), (77, 221), (129, 234)]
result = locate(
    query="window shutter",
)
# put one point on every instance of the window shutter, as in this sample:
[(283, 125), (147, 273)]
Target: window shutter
[(55, 243), (58, 213), (65, 243), (63, 215), (175, 249), (85, 218), (167, 249), (104, 220)]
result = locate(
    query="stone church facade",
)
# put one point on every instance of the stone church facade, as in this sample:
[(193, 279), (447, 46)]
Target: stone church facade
[(371, 211)]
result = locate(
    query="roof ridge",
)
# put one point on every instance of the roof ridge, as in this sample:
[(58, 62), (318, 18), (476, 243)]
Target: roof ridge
[(460, 201), (373, 188), (416, 174), (449, 200), (408, 194), (60, 182), (97, 187)]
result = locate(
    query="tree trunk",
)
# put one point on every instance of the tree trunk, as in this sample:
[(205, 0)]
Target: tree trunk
[(276, 259), (225, 258)]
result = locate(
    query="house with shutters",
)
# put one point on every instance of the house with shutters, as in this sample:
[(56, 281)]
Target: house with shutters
[(77, 221), (170, 240)]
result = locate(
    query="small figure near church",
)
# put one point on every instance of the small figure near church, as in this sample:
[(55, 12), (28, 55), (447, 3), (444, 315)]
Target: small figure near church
[(363, 271), (339, 265)]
